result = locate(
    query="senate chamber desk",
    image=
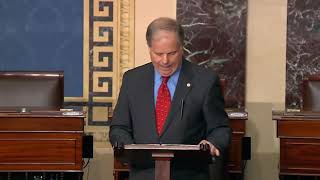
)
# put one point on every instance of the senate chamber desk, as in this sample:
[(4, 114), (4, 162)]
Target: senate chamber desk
[(236, 162), (299, 134), (48, 141)]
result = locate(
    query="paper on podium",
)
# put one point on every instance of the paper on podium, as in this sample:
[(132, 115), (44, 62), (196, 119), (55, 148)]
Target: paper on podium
[(172, 147)]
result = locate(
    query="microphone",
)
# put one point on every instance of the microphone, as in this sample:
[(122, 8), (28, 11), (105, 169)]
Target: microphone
[(182, 102), (181, 109)]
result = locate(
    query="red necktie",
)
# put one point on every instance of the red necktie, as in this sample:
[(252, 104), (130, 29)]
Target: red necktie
[(162, 104)]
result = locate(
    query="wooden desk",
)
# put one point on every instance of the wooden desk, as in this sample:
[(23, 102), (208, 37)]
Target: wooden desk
[(299, 135), (41, 141), (235, 163), (238, 125)]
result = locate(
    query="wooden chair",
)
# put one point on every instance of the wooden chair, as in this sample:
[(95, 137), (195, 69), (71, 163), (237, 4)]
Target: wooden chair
[(223, 84), (31, 90), (311, 93)]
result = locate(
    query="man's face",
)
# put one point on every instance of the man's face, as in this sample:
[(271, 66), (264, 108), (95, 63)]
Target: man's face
[(165, 52)]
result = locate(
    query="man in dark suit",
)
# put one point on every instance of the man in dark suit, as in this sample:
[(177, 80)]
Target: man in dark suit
[(192, 112)]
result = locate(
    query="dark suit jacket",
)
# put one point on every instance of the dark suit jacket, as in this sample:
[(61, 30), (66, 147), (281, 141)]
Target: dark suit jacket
[(197, 113)]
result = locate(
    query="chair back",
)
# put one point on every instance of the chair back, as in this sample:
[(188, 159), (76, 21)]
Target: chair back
[(31, 90), (311, 93)]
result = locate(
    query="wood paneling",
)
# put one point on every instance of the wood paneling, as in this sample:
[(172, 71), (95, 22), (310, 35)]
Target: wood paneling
[(299, 143), (41, 142)]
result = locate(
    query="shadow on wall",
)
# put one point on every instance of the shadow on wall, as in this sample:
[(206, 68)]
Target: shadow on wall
[(265, 145)]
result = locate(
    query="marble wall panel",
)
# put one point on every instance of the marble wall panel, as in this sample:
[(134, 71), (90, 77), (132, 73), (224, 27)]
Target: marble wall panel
[(303, 44), (216, 38)]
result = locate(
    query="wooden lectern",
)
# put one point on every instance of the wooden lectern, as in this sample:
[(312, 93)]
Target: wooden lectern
[(235, 165), (162, 155)]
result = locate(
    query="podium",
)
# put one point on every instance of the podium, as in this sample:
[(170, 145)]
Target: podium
[(44, 141), (235, 164), (162, 154)]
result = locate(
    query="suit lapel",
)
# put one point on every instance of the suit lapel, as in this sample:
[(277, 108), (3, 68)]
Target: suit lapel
[(181, 91), (148, 93)]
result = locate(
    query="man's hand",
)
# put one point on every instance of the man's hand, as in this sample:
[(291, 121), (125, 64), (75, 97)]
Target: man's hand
[(213, 150)]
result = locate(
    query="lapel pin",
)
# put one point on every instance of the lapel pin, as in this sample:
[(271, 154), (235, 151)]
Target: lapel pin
[(188, 85)]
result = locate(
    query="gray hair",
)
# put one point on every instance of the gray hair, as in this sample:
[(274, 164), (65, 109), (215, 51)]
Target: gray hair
[(167, 24)]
